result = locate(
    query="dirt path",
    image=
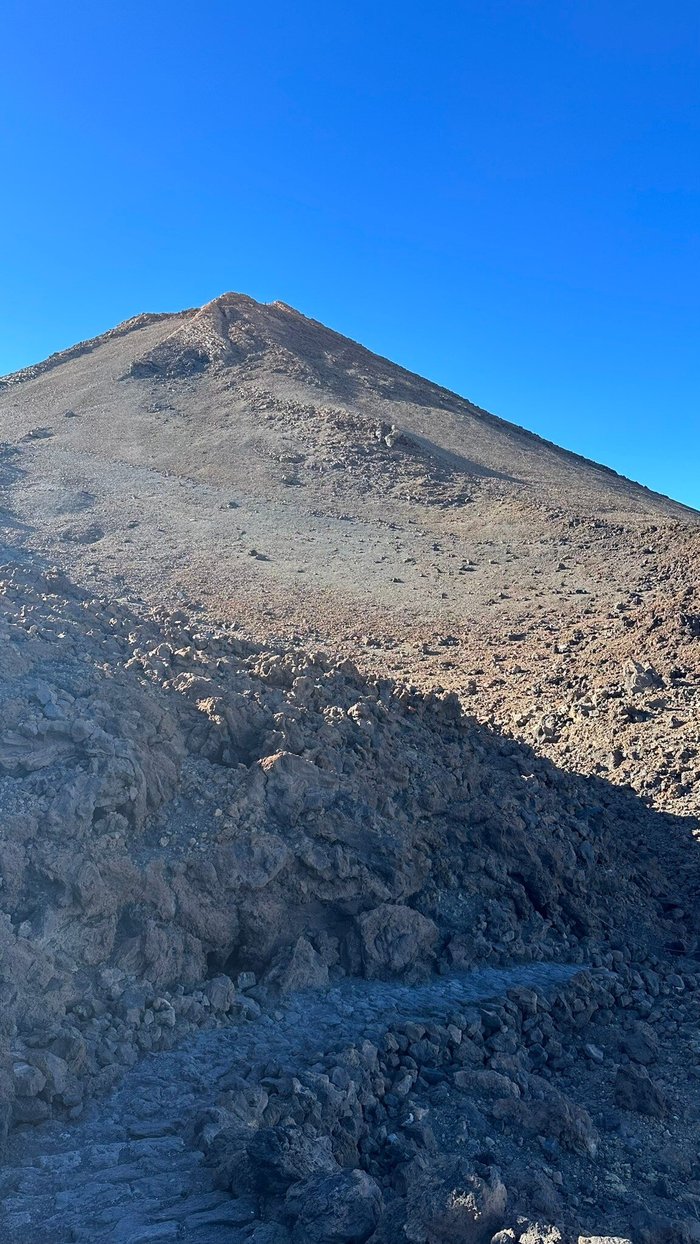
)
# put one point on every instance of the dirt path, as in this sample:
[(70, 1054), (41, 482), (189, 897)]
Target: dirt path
[(126, 1174)]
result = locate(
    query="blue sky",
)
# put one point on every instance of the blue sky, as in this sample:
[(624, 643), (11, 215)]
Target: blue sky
[(504, 196)]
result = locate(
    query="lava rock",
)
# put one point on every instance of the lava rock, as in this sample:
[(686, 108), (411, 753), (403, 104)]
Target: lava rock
[(641, 1045), (448, 1203), (306, 968), (635, 1090), (334, 1209), (221, 993), (281, 1156), (395, 938)]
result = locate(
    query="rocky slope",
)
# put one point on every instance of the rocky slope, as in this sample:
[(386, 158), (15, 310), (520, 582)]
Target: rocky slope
[(182, 809), (250, 461), (317, 677)]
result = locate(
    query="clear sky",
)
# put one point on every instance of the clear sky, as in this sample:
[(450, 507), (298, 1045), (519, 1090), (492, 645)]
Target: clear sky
[(503, 195)]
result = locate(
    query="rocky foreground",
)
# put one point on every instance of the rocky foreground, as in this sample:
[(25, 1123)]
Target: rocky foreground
[(282, 881)]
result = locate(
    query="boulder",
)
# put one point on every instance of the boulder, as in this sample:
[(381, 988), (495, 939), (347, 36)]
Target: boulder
[(243, 1102), (306, 968), (448, 1203), (29, 1080), (557, 1118), (30, 1110), (281, 1156), (641, 1045), (334, 1209), (536, 1233), (294, 786), (635, 1090), (395, 938), (649, 1227), (54, 1069), (486, 1084), (221, 992), (604, 1239), (254, 859)]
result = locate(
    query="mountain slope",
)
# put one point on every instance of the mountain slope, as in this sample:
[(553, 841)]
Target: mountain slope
[(252, 461), (181, 805), (234, 345), (245, 426), (199, 833)]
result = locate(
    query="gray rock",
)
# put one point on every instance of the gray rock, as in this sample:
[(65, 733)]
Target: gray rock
[(221, 993), (30, 1110), (54, 1069), (305, 969), (604, 1239), (334, 1209), (641, 1045), (281, 1156), (557, 1118), (639, 678), (28, 1080), (395, 938), (448, 1203), (294, 785), (486, 1083), (635, 1090), (538, 1233)]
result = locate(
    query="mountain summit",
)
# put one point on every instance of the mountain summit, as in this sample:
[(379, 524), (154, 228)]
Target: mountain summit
[(235, 346), (242, 451)]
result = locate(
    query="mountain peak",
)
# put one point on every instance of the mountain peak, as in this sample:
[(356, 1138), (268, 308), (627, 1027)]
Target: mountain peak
[(235, 357)]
